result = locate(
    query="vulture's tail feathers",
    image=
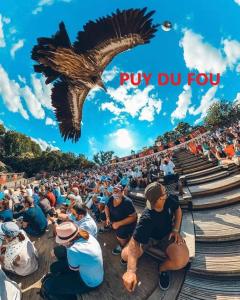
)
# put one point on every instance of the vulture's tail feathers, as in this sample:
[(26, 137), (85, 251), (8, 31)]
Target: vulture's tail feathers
[(45, 47)]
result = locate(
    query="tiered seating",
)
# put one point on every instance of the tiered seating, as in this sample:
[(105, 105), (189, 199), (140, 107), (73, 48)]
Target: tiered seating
[(215, 270), (209, 288), (220, 224)]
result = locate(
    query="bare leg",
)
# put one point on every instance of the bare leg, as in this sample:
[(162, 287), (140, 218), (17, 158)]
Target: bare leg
[(177, 257)]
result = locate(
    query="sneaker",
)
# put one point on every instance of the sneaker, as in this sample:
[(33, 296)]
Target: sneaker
[(123, 262), (164, 280), (117, 250), (104, 229)]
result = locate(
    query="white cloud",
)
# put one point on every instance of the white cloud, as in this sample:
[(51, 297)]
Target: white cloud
[(50, 121), (36, 99), (184, 100), (2, 39), (109, 75), (92, 142), (44, 145), (22, 79), (232, 51), (43, 3), (32, 103), (6, 20), (205, 58), (207, 100), (11, 95), (202, 56), (131, 100), (149, 111), (237, 99), (17, 46), (42, 91), (93, 93), (111, 107), (237, 1)]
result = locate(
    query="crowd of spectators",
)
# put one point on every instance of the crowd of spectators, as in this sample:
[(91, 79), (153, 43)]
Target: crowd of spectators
[(82, 205)]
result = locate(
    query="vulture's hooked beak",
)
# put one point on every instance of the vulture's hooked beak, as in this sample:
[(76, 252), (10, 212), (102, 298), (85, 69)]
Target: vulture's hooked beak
[(101, 84)]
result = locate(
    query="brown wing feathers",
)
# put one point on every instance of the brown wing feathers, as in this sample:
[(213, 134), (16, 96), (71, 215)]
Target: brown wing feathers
[(99, 42), (119, 24)]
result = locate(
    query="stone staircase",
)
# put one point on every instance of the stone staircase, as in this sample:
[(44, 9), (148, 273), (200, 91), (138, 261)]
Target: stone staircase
[(215, 203)]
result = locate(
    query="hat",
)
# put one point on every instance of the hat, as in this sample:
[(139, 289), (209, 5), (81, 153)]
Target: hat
[(66, 232), (118, 187), (153, 192), (10, 229)]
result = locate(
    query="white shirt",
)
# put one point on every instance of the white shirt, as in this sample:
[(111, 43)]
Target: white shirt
[(87, 256), (167, 169), (78, 199)]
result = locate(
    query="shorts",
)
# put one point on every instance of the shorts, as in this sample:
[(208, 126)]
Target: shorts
[(126, 231), (160, 244)]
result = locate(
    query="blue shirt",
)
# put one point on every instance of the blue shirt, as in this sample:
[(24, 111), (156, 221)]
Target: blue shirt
[(86, 255), (87, 223), (36, 198), (6, 215), (57, 194), (35, 218), (124, 181)]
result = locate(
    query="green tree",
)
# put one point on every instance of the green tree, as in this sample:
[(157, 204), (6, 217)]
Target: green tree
[(2, 129), (182, 128), (103, 158), (17, 144), (221, 114)]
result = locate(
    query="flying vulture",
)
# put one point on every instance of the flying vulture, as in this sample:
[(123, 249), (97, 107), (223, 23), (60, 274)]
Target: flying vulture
[(76, 68)]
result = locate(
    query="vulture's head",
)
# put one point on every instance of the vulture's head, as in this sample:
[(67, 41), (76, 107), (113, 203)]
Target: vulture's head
[(98, 82)]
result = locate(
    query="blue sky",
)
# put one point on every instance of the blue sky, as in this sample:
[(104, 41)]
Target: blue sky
[(206, 38)]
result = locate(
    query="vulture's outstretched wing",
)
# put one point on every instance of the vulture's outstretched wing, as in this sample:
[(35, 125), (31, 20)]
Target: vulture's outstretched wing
[(109, 36), (59, 39), (68, 101)]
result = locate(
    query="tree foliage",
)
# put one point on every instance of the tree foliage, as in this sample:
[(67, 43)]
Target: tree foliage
[(22, 154), (103, 158), (221, 114), (183, 128)]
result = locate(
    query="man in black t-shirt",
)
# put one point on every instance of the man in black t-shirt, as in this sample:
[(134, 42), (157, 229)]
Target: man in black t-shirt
[(121, 213), (158, 226)]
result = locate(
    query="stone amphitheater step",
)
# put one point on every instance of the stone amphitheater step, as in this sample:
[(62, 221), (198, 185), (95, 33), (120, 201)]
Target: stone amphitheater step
[(216, 200), (215, 187), (198, 287), (198, 168), (187, 160), (221, 224), (208, 178), (218, 259), (203, 172), (194, 164)]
